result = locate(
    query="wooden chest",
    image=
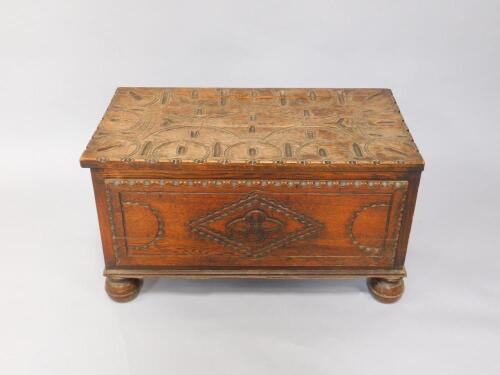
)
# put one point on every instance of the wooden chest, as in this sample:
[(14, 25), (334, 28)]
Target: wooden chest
[(254, 183)]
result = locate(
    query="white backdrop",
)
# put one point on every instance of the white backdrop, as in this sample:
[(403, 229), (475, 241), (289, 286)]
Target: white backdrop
[(60, 62)]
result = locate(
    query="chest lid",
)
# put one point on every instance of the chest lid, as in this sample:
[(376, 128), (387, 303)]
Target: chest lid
[(331, 128)]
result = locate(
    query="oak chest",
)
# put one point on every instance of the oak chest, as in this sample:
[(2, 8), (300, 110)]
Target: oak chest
[(254, 183)]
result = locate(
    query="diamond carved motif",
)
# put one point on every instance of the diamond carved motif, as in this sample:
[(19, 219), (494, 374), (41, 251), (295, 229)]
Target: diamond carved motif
[(255, 225)]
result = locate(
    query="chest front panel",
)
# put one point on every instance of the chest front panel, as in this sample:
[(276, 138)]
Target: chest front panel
[(254, 223)]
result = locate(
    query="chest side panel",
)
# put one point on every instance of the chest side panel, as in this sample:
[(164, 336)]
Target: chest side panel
[(255, 223)]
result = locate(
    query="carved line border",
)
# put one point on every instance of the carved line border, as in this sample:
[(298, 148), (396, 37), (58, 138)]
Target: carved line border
[(223, 97), (366, 249), (377, 250), (112, 225), (159, 220), (311, 226), (251, 182), (290, 238), (177, 161), (399, 221), (115, 238), (251, 196), (398, 184)]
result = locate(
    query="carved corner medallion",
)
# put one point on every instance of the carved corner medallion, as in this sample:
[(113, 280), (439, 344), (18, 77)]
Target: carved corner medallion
[(160, 224), (255, 225), (368, 250), (377, 250)]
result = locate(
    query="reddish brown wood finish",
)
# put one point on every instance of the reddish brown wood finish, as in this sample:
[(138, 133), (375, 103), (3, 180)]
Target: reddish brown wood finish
[(122, 289), (209, 222), (256, 220), (386, 290)]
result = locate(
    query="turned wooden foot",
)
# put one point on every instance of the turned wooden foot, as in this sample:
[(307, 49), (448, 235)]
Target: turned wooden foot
[(386, 290), (122, 289)]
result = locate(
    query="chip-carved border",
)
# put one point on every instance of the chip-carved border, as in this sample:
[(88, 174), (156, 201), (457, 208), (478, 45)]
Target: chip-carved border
[(159, 220), (311, 226), (398, 184)]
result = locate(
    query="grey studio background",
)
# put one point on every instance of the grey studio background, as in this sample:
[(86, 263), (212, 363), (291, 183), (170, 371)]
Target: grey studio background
[(60, 62)]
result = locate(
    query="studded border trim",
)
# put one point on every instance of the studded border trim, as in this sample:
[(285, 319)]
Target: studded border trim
[(159, 220), (398, 184), (251, 182)]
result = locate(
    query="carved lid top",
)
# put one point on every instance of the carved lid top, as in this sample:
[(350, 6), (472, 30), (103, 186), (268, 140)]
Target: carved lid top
[(329, 127)]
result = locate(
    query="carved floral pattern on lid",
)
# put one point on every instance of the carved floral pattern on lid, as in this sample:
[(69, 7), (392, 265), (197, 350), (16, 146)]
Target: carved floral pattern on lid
[(205, 125)]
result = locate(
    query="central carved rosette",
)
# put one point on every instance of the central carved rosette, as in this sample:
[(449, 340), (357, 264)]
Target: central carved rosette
[(255, 225)]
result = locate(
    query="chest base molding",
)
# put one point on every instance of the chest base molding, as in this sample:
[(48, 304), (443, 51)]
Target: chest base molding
[(386, 286), (255, 274)]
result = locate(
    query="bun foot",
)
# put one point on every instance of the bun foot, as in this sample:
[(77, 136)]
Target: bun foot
[(386, 290), (122, 289)]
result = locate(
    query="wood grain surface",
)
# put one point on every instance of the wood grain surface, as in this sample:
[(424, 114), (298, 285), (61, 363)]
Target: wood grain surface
[(255, 223), (254, 183), (252, 126)]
